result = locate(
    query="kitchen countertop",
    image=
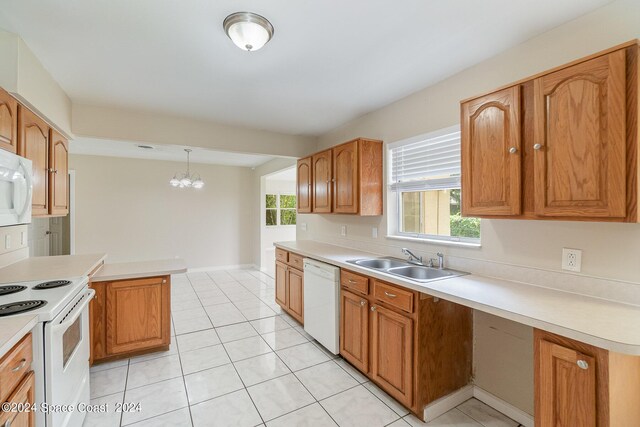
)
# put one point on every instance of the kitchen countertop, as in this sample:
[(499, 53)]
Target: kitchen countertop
[(13, 328), (50, 268), (134, 270), (610, 325)]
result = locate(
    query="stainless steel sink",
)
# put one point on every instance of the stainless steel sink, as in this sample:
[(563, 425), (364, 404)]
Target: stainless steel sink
[(407, 270)]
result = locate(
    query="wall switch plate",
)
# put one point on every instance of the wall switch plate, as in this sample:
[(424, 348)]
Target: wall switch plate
[(374, 232), (303, 226), (343, 231), (571, 259), (7, 241)]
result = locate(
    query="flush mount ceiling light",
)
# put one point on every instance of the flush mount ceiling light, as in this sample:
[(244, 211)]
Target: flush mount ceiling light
[(247, 30), (186, 180)]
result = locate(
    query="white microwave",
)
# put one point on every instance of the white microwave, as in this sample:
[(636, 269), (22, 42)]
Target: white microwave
[(15, 189)]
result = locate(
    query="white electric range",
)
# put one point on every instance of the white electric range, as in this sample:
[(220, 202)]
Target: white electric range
[(60, 342)]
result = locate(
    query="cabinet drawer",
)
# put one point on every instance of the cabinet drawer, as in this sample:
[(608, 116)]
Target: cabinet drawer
[(282, 255), (393, 296), (354, 281), (296, 261), (14, 365)]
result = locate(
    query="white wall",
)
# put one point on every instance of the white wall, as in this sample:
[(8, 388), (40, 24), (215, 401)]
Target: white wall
[(280, 233), (609, 250), (127, 208)]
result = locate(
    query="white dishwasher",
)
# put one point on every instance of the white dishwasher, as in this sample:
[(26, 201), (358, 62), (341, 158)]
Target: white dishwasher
[(322, 303)]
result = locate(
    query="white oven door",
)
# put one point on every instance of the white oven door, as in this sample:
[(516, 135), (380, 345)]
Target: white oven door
[(66, 342), (15, 189)]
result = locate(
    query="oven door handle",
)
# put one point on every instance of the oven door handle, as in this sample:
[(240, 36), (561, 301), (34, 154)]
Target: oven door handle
[(77, 311)]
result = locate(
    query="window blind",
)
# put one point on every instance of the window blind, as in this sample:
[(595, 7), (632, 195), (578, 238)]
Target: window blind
[(427, 163)]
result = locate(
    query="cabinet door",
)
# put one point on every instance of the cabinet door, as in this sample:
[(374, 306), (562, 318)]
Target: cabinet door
[(34, 145), (491, 154), (580, 141), (322, 185), (281, 284), (8, 122), (354, 330), (59, 165), (295, 281), (304, 185), (566, 389), (138, 315), (345, 175), (392, 353), (23, 395)]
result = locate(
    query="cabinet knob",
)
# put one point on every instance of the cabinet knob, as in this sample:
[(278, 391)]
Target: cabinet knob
[(582, 364), (363, 302), (7, 424), (373, 308), (513, 150), (537, 146)]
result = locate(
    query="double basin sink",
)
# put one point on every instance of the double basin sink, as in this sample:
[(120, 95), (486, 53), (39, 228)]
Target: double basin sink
[(406, 269)]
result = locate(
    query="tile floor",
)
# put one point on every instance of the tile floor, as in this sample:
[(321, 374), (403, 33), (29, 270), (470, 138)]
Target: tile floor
[(237, 360)]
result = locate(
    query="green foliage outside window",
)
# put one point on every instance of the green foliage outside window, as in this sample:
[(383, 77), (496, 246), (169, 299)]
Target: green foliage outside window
[(272, 201), (465, 227), (288, 217), (282, 207)]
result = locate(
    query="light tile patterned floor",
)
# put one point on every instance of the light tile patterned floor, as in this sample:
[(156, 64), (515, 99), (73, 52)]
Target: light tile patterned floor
[(237, 360)]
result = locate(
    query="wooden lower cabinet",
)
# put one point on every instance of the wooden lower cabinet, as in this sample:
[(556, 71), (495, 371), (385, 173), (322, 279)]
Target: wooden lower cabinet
[(415, 347), (23, 395), (354, 329), (130, 317), (392, 353), (577, 384), (290, 284)]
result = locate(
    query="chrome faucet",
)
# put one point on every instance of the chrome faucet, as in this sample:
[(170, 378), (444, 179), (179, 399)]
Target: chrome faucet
[(440, 260), (412, 257)]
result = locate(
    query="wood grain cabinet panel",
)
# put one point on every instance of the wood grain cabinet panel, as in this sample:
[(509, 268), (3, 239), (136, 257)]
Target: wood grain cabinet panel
[(138, 314), (23, 395), (345, 178), (289, 292), (304, 189), (59, 168), (491, 158), (392, 353), (322, 181), (34, 145), (580, 137), (281, 284), (354, 330), (295, 280), (8, 122)]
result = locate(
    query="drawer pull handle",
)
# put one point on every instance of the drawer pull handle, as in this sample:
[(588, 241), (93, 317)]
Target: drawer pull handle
[(363, 302), (582, 364), (390, 295), (20, 365), (7, 424), (352, 281)]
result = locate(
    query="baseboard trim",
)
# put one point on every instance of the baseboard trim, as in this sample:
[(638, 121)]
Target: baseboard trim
[(447, 403), (222, 267), (501, 406)]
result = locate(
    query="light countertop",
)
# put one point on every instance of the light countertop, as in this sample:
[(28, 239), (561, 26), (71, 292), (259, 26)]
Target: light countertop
[(134, 270), (610, 325), (13, 328), (50, 268)]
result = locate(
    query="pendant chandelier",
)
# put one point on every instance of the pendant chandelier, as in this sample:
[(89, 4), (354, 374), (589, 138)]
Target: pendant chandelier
[(186, 180)]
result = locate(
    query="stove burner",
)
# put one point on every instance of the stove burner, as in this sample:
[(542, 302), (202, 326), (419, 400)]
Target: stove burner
[(20, 307), (11, 289), (52, 284)]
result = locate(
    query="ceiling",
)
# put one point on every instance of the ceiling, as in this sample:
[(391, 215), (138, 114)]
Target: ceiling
[(329, 61), (132, 150)]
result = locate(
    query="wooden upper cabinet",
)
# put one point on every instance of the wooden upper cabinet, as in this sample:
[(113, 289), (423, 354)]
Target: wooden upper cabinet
[(137, 314), (580, 139), (322, 175), (34, 145), (354, 330), (392, 353), (345, 174), (491, 160), (303, 196), (59, 165), (8, 122)]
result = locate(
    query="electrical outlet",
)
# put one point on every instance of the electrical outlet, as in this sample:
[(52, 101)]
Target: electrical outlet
[(343, 231), (571, 259), (7, 241), (374, 232)]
